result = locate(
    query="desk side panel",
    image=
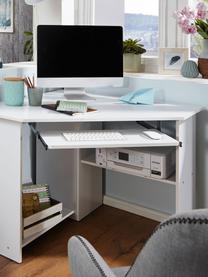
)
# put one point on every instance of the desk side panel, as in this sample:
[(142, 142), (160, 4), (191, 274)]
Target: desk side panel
[(186, 165), (10, 190), (89, 189)]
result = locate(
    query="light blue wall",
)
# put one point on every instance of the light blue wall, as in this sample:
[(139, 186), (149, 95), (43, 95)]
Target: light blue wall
[(175, 91), (152, 194)]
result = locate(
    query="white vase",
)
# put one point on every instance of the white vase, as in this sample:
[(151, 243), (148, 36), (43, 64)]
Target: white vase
[(204, 53), (132, 63)]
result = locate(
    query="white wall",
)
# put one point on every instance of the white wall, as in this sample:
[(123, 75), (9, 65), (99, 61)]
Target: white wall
[(52, 12), (103, 12), (48, 12), (109, 12), (68, 13)]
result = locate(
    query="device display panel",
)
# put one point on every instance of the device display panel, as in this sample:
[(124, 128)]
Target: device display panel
[(79, 51)]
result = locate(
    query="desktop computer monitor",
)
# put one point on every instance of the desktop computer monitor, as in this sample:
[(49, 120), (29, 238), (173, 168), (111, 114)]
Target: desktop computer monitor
[(79, 56)]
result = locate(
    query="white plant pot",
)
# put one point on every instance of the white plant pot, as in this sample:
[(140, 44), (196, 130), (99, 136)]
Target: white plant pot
[(132, 63)]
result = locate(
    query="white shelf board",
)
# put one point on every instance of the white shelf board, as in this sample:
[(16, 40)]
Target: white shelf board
[(65, 214), (163, 77), (91, 161), (134, 138)]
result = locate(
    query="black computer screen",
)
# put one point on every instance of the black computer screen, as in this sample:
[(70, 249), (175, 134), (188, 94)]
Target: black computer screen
[(79, 51)]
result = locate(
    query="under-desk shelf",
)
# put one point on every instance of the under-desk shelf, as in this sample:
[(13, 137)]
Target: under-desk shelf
[(65, 214), (90, 160), (133, 138)]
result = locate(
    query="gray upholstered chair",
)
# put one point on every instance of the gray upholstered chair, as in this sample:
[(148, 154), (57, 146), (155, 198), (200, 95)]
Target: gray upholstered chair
[(178, 247)]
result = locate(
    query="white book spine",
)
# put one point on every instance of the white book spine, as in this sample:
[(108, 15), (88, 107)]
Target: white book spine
[(34, 190), (43, 200)]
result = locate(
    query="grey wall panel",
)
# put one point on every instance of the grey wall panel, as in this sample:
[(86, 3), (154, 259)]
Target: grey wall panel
[(12, 44), (136, 190)]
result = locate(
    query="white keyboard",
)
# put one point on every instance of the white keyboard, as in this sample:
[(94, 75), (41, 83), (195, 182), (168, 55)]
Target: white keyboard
[(93, 136)]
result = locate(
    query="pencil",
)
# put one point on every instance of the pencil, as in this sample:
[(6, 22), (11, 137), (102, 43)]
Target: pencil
[(33, 81), (26, 82), (29, 81)]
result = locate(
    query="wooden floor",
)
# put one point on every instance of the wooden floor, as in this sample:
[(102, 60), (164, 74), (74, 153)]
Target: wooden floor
[(117, 235)]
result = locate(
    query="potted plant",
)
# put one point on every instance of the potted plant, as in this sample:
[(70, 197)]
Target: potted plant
[(28, 45), (193, 21), (132, 50)]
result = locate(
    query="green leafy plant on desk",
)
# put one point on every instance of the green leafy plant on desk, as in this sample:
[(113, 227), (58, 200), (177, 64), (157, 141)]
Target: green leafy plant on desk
[(28, 45), (133, 46), (132, 51)]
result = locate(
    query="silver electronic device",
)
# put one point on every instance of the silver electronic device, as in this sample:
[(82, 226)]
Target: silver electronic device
[(151, 162)]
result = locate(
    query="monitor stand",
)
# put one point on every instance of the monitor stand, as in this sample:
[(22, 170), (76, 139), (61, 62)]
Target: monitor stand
[(77, 94)]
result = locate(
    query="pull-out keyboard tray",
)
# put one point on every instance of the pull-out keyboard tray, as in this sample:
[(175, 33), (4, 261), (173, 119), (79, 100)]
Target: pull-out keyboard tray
[(133, 138)]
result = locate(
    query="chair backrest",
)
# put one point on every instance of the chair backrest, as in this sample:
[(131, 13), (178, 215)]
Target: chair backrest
[(85, 260), (178, 247)]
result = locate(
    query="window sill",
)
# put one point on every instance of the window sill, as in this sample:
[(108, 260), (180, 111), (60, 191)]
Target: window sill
[(148, 76)]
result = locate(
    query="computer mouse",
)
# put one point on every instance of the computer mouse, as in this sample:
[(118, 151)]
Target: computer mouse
[(152, 134)]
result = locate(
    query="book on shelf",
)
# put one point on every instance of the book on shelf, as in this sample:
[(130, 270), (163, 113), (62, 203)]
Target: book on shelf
[(32, 188), (30, 204), (41, 190), (45, 199)]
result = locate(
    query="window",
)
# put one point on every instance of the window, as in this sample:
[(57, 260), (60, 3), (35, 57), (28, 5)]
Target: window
[(142, 22), (196, 40), (196, 46)]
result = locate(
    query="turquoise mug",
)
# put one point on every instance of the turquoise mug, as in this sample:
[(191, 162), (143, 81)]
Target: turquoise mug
[(13, 89)]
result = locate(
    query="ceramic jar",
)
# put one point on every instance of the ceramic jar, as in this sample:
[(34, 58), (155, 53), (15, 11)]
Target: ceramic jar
[(13, 89)]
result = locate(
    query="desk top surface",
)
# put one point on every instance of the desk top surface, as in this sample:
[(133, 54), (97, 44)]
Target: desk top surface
[(107, 111)]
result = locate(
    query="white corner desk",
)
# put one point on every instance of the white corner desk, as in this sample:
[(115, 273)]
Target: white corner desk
[(73, 178)]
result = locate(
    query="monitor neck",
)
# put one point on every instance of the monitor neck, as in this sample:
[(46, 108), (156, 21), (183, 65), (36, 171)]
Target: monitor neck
[(77, 94)]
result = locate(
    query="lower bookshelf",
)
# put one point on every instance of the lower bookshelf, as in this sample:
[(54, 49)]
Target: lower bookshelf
[(90, 160), (65, 214)]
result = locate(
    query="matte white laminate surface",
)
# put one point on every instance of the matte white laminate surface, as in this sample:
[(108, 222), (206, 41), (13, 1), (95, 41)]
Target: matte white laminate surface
[(133, 138), (108, 111)]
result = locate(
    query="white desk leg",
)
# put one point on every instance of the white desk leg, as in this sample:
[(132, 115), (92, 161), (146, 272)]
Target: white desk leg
[(10, 190), (185, 161), (89, 194)]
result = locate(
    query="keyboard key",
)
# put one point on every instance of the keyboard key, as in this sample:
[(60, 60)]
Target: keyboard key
[(93, 136)]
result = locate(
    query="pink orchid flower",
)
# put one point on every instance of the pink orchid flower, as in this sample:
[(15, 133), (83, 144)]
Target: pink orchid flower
[(186, 18), (201, 11)]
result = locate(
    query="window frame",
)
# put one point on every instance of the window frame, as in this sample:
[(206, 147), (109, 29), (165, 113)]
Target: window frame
[(170, 35), (84, 12), (149, 55)]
